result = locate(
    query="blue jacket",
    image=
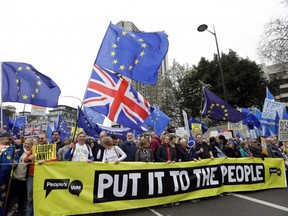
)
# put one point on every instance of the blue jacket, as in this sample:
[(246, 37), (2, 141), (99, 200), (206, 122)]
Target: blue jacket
[(130, 150)]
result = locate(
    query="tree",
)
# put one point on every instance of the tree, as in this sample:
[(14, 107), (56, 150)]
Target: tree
[(245, 83), (273, 45), (169, 99)]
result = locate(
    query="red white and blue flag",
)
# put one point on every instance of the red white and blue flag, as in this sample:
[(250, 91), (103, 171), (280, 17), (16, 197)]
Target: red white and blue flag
[(114, 97)]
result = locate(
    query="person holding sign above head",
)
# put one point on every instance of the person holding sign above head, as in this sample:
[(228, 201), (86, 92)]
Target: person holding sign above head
[(112, 153), (80, 151)]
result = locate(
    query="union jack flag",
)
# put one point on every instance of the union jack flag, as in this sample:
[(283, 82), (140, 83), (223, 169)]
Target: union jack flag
[(114, 97)]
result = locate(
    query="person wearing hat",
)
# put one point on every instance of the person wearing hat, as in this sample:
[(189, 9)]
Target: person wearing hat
[(7, 158)]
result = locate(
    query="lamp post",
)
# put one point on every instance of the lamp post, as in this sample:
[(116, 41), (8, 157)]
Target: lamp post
[(202, 28)]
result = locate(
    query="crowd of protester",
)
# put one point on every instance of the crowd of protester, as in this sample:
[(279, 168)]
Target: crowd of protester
[(168, 148)]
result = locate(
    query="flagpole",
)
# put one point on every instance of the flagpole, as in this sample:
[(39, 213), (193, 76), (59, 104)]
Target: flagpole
[(77, 120), (24, 109), (202, 99), (1, 95)]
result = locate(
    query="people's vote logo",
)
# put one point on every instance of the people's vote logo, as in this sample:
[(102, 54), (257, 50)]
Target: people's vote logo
[(75, 187)]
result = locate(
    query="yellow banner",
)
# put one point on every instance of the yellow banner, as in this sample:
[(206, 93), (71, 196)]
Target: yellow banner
[(44, 152), (69, 188)]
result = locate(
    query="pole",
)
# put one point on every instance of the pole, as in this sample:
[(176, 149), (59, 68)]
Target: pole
[(220, 66)]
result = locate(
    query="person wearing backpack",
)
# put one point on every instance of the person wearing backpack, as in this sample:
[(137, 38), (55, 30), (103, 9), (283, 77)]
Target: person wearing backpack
[(80, 151), (112, 153)]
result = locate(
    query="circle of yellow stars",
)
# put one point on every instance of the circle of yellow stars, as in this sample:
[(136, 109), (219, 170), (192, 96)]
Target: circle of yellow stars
[(138, 58), (225, 111), (25, 96)]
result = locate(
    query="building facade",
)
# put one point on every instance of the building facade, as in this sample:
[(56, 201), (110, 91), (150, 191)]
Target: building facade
[(280, 70)]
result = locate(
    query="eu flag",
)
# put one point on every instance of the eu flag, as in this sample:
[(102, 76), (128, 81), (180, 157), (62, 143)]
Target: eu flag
[(93, 116), (158, 120), (135, 55), (24, 84), (84, 123), (251, 119), (49, 132), (218, 109), (63, 128), (4, 121)]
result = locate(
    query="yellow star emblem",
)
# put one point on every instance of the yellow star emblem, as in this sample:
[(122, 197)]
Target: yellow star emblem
[(133, 35), (226, 114), (217, 104), (19, 68), (17, 80), (115, 61), (114, 46), (33, 95), (36, 90), (144, 45), (212, 104), (222, 106), (1, 204), (39, 83), (142, 53), (136, 61), (225, 110), (118, 39), (113, 53), (130, 67), (25, 97), (28, 68), (141, 40), (224, 118), (124, 33), (3, 195), (209, 111), (122, 67)]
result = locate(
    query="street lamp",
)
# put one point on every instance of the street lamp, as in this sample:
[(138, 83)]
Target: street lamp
[(202, 28)]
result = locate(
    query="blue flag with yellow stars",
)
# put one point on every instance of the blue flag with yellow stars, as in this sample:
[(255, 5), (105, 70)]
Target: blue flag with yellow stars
[(218, 109), (136, 55), (63, 128), (93, 116), (158, 120), (84, 123), (24, 84), (7, 156), (251, 120), (5, 121)]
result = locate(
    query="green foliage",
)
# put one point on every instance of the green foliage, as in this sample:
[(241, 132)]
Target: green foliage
[(245, 83)]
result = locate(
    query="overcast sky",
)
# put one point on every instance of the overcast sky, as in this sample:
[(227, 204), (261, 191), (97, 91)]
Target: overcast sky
[(61, 38)]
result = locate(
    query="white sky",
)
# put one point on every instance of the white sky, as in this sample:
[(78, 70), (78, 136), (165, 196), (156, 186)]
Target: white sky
[(61, 38)]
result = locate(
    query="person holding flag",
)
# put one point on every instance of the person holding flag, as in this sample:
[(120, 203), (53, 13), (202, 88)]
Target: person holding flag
[(7, 157)]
